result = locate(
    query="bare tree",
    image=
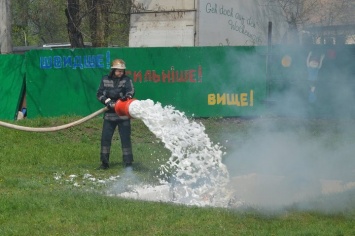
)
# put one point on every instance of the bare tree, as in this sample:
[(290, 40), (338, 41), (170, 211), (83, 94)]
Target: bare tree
[(336, 12), (310, 15), (72, 13), (5, 27), (45, 21), (97, 21), (337, 19), (102, 22), (107, 18), (297, 13)]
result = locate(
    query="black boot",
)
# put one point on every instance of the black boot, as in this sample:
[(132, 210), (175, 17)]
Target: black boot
[(127, 164), (104, 162), (103, 166), (127, 160)]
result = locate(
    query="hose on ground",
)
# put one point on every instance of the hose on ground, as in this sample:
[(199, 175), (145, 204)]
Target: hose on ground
[(56, 128)]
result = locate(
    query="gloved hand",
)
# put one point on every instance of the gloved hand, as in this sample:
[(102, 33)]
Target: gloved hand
[(109, 103), (125, 98)]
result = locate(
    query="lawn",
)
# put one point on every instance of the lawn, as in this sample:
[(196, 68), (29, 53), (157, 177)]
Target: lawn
[(292, 176)]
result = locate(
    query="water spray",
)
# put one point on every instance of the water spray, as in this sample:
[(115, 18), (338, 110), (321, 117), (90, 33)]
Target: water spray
[(194, 173)]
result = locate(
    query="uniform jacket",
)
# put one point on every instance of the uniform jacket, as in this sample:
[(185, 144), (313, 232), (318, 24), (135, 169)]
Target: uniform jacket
[(114, 88)]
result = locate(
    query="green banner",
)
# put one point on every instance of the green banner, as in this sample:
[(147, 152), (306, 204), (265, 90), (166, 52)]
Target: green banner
[(12, 83), (200, 81)]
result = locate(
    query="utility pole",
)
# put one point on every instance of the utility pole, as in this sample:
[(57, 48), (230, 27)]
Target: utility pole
[(5, 27)]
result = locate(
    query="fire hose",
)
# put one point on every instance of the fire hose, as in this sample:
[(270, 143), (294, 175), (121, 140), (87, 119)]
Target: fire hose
[(121, 109), (56, 128)]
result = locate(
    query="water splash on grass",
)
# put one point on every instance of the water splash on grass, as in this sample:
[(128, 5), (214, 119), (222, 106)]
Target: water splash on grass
[(194, 173)]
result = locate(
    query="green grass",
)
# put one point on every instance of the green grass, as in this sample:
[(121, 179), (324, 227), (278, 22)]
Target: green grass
[(38, 195)]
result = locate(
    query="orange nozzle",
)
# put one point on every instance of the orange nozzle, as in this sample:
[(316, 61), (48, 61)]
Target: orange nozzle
[(122, 107)]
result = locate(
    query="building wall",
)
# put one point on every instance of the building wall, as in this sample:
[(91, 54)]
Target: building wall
[(205, 23), (238, 22), (163, 23)]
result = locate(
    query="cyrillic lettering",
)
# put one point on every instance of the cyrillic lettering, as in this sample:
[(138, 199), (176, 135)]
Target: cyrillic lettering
[(45, 62), (78, 62)]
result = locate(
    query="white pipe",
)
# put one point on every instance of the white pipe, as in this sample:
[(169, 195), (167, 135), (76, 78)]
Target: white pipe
[(56, 128)]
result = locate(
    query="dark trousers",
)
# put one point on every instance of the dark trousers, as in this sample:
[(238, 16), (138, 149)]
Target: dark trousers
[(124, 130)]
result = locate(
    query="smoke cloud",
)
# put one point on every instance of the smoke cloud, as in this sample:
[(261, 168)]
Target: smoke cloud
[(299, 152)]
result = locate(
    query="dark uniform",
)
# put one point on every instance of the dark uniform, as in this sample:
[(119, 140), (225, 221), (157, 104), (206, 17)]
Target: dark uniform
[(115, 88)]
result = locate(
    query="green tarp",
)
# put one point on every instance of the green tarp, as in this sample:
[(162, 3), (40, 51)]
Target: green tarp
[(200, 81), (12, 76)]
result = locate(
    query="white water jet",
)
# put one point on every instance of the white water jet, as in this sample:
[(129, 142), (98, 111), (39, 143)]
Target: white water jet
[(194, 173)]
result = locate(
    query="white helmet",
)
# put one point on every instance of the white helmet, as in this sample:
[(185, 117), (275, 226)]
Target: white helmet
[(118, 64)]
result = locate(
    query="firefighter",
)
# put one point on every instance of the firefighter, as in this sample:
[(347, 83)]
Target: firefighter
[(113, 87)]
